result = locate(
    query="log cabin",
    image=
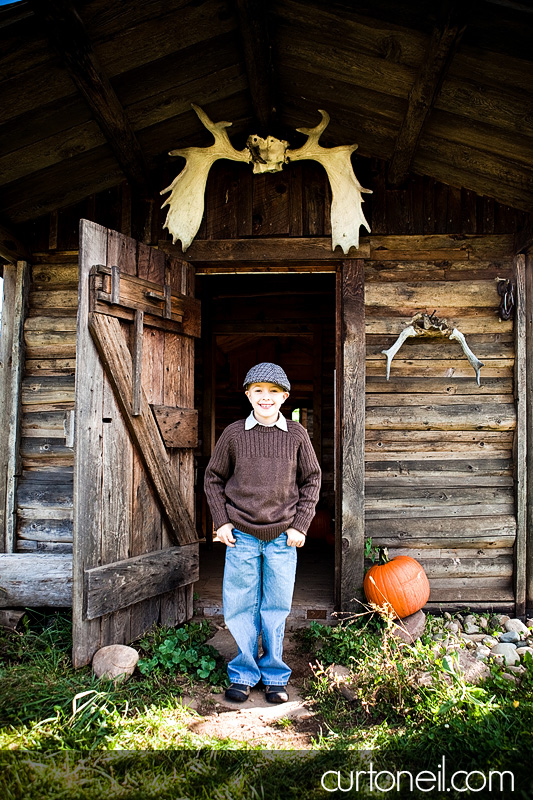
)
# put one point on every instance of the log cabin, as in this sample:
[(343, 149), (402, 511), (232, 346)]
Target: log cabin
[(122, 356)]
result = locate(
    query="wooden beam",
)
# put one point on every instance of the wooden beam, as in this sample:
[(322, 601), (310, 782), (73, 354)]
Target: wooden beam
[(68, 34), (253, 25), (36, 579), (262, 249), (11, 248), (123, 583), (353, 434), (425, 90)]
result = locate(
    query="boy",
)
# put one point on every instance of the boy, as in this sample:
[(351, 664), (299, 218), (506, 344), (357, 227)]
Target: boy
[(262, 485)]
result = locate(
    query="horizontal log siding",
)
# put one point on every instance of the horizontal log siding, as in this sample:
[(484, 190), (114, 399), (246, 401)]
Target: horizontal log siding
[(439, 467), (44, 497)]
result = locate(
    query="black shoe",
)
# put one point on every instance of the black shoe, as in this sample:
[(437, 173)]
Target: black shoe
[(276, 694), (238, 692)]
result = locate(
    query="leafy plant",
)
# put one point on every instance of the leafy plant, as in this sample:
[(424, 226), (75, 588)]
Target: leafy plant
[(372, 553), (183, 650)]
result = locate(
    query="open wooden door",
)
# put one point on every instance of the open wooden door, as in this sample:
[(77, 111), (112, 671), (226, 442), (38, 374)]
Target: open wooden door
[(135, 545)]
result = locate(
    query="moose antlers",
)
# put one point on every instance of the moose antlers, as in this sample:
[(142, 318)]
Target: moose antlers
[(429, 325), (186, 199)]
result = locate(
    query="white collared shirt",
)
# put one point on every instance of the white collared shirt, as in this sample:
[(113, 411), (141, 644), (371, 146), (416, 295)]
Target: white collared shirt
[(251, 422)]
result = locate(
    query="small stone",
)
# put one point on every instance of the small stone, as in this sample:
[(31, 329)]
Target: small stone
[(516, 668), (509, 677), (507, 651), (489, 641), (459, 617), (523, 650), (483, 623), (453, 627), (482, 652), (474, 637), (438, 637), (115, 661), (338, 671), (529, 623), (495, 624), (447, 616), (469, 619), (516, 625), (410, 628), (509, 636), (472, 669), (469, 627)]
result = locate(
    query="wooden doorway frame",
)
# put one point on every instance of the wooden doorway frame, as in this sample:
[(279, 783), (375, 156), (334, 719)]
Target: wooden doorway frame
[(233, 256)]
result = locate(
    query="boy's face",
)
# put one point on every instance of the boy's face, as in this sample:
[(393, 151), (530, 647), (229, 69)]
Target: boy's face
[(266, 400)]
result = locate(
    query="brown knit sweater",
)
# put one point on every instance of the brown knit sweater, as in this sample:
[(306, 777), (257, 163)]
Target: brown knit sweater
[(263, 480)]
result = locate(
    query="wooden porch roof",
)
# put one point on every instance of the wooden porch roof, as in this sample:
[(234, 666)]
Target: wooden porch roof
[(94, 92)]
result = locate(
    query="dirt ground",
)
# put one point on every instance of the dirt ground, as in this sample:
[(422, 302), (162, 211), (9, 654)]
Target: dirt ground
[(278, 726)]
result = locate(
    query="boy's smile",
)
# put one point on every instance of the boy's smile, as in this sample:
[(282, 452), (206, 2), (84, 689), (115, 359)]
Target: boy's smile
[(266, 400)]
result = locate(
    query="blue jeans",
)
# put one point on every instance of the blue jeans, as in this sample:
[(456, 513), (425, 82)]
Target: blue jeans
[(257, 596)]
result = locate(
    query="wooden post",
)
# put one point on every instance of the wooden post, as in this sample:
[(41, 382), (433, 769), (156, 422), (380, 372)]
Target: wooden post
[(353, 433), (520, 446), (528, 533), (16, 285)]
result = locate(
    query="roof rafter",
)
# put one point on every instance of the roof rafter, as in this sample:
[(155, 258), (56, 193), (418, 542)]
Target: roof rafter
[(425, 90), (69, 36), (253, 28)]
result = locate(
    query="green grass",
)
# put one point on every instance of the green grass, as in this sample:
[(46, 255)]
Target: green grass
[(65, 734)]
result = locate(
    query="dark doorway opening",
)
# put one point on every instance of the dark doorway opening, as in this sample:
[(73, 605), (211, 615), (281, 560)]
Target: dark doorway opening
[(289, 319)]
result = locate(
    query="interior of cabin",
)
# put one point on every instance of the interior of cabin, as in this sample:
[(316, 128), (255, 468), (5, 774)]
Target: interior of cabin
[(289, 319)]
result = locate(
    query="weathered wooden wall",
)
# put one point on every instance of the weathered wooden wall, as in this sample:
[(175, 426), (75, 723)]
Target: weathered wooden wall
[(44, 496), (439, 448)]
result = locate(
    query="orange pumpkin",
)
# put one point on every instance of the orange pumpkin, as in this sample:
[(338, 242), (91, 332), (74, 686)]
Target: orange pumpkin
[(400, 584)]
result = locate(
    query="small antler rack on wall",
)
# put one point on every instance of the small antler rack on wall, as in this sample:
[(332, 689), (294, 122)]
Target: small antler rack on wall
[(423, 324)]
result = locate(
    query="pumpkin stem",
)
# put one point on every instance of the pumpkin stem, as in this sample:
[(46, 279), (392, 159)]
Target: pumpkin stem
[(383, 555)]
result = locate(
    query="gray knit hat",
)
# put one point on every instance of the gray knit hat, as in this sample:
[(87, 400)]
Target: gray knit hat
[(267, 373)]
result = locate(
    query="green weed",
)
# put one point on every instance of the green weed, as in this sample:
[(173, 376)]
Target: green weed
[(183, 650)]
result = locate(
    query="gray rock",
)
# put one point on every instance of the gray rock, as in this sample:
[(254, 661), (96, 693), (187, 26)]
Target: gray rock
[(482, 652), (516, 625), (471, 668), (489, 641), (495, 624), (509, 677), (474, 637), (469, 620), (517, 668), (523, 650), (115, 661), (507, 651), (447, 616), (483, 623), (469, 627), (509, 636), (453, 627), (411, 628)]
